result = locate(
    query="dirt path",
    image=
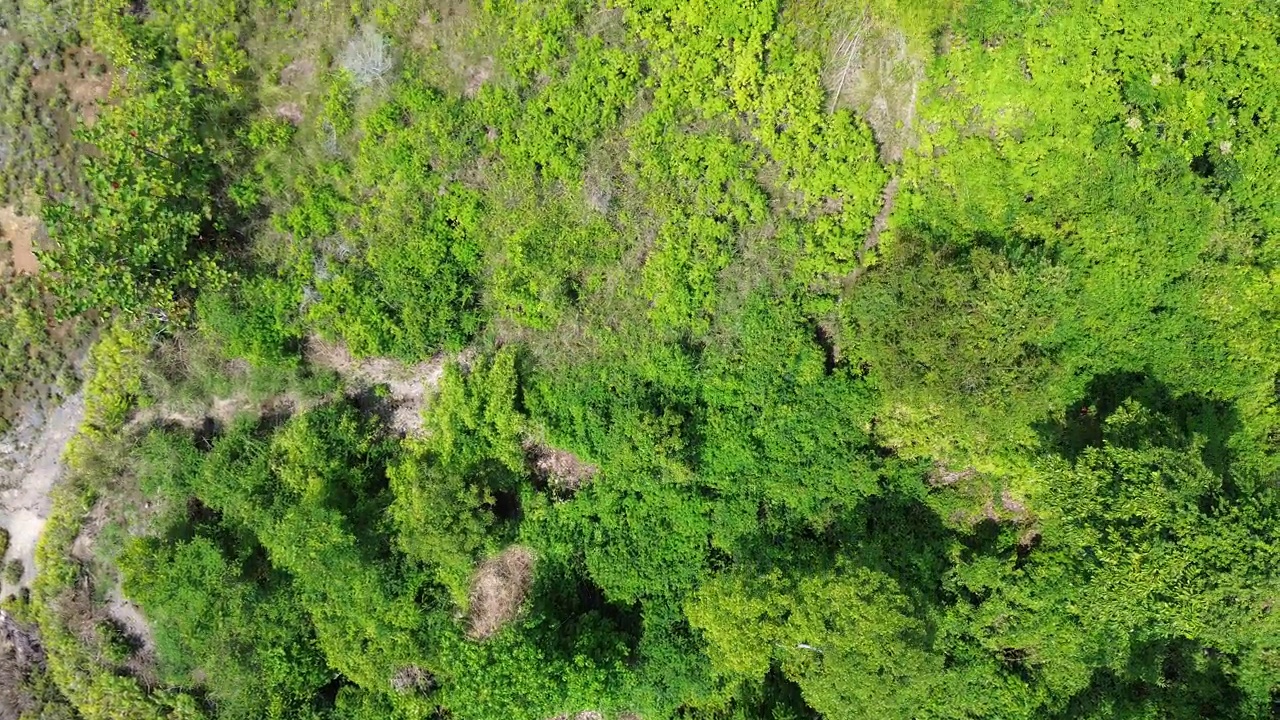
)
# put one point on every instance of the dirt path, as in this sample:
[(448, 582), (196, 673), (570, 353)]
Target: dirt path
[(878, 226), (881, 223), (409, 386), (31, 455)]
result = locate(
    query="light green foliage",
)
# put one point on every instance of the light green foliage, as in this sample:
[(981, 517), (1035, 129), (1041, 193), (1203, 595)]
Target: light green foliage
[(538, 268), (1124, 164), (207, 36), (476, 419), (256, 320), (440, 519), (115, 380), (538, 34), (768, 391), (708, 56), (29, 355), (197, 40), (843, 636), (571, 112), (710, 198), (973, 343), (396, 272), (713, 62), (543, 253)]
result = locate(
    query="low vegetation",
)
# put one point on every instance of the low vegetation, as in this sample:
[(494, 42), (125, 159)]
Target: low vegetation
[(765, 358)]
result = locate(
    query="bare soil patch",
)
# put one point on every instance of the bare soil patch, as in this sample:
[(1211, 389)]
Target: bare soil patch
[(477, 75), (498, 591), (408, 386), (21, 233), (86, 87), (128, 616), (211, 416), (30, 464), (986, 501), (412, 678), (942, 475)]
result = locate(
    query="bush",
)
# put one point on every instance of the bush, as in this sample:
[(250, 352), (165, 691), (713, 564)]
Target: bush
[(255, 320), (367, 57), (150, 182), (13, 571)]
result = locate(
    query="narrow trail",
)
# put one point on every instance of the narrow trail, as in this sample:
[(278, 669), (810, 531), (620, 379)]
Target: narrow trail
[(881, 222), (878, 226)]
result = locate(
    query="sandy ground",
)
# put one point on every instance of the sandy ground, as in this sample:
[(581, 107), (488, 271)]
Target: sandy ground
[(20, 232), (30, 463), (128, 614)]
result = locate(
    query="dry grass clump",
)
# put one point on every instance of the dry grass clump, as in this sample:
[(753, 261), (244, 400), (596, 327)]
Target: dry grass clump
[(412, 678), (562, 471), (498, 591), (367, 57), (584, 715)]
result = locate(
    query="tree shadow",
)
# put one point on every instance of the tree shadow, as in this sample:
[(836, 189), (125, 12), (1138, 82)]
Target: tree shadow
[(1178, 678), (893, 532), (570, 618), (775, 696), (1188, 417)]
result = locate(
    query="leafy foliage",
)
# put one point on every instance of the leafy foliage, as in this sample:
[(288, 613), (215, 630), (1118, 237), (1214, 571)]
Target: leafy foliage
[(138, 242), (783, 409)]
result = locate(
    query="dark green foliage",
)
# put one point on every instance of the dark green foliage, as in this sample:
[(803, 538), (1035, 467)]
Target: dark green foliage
[(446, 487), (13, 571), (237, 623), (786, 425)]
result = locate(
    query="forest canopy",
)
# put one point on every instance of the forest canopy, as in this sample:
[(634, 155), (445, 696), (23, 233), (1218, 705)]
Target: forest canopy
[(652, 359)]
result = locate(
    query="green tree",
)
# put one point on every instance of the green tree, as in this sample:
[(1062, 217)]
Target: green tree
[(144, 234)]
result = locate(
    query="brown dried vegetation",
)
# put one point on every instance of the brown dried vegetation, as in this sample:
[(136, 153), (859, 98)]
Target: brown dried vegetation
[(498, 591), (560, 470)]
